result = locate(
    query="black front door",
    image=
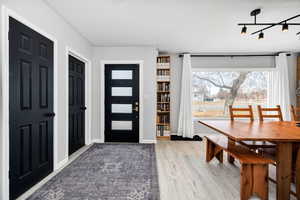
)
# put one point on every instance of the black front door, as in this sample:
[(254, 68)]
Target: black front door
[(76, 104), (122, 103), (30, 107)]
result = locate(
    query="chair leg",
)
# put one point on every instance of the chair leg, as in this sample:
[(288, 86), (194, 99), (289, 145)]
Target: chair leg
[(254, 180), (230, 159), (297, 169)]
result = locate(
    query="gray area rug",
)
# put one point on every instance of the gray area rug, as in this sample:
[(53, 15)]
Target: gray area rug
[(106, 172)]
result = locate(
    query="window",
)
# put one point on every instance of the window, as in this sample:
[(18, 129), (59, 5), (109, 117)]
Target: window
[(214, 91)]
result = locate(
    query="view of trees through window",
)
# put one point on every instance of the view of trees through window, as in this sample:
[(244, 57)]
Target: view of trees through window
[(215, 91)]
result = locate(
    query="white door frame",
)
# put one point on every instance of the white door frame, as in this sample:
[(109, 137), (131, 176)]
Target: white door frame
[(102, 95), (88, 99), (4, 157)]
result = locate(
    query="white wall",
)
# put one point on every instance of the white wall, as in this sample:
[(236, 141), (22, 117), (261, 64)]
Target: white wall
[(146, 54), (42, 16), (226, 62)]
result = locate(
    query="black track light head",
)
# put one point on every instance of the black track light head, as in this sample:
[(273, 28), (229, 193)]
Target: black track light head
[(244, 30), (285, 27), (261, 36)]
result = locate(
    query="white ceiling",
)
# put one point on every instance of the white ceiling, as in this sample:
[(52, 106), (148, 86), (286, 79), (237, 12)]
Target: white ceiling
[(181, 25)]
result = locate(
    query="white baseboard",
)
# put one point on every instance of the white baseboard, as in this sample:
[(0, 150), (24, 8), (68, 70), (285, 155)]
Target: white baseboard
[(98, 141), (62, 163), (148, 142)]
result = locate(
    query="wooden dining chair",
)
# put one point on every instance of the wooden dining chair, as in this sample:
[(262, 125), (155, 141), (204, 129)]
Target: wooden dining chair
[(262, 113), (258, 145), (236, 113), (295, 113), (271, 152), (245, 113)]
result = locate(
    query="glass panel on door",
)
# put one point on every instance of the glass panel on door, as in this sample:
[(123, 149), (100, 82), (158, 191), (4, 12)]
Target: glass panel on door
[(121, 91), (121, 125), (121, 74), (121, 108)]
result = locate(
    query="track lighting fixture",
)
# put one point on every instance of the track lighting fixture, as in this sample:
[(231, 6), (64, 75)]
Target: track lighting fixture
[(285, 27), (261, 36), (244, 30), (284, 23)]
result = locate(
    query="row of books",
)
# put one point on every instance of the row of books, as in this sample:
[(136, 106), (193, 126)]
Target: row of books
[(163, 97), (163, 87), (163, 72), (162, 130), (163, 78), (163, 107), (163, 60), (163, 65), (163, 119)]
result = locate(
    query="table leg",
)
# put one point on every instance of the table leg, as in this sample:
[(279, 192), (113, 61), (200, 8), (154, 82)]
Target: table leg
[(298, 174), (284, 170), (230, 159)]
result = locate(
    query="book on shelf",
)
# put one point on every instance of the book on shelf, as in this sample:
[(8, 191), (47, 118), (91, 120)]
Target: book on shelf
[(163, 97), (163, 72), (163, 87), (162, 130), (163, 107), (163, 119), (163, 59)]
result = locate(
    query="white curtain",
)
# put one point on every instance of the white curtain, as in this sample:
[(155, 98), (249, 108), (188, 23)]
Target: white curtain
[(185, 122), (279, 88)]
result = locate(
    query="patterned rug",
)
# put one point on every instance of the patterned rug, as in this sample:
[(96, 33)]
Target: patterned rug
[(106, 172)]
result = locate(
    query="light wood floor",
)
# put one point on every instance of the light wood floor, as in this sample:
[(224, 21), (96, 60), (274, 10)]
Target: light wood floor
[(184, 174)]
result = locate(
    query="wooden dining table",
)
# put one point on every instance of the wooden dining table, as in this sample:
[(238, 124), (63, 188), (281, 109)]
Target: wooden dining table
[(283, 133)]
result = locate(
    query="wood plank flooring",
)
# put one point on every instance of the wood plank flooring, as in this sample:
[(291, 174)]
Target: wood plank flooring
[(184, 174)]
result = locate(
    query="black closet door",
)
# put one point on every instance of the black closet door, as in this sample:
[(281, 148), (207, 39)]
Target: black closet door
[(122, 103), (76, 104), (30, 107)]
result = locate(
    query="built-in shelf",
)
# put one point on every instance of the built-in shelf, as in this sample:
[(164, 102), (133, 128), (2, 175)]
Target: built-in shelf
[(163, 97)]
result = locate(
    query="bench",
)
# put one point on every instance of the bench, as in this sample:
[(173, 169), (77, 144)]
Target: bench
[(254, 168)]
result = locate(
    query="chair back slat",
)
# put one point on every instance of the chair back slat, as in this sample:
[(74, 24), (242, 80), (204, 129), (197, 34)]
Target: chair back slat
[(295, 113), (248, 114), (262, 113)]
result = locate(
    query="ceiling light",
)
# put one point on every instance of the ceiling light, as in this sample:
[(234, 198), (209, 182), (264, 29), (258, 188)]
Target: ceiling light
[(284, 24), (244, 30), (285, 27), (261, 36)]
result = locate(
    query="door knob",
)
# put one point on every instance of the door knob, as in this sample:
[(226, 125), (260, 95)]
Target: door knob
[(51, 114), (83, 108)]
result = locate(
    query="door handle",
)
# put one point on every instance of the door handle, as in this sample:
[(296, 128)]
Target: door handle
[(136, 109), (82, 108), (52, 114)]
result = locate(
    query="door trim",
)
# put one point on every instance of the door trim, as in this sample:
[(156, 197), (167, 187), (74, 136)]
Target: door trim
[(4, 145), (102, 95), (88, 99)]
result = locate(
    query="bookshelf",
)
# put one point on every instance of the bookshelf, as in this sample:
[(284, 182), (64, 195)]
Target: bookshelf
[(298, 79), (163, 97)]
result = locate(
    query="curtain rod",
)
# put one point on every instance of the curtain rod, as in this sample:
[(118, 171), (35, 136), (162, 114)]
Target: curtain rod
[(237, 55)]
